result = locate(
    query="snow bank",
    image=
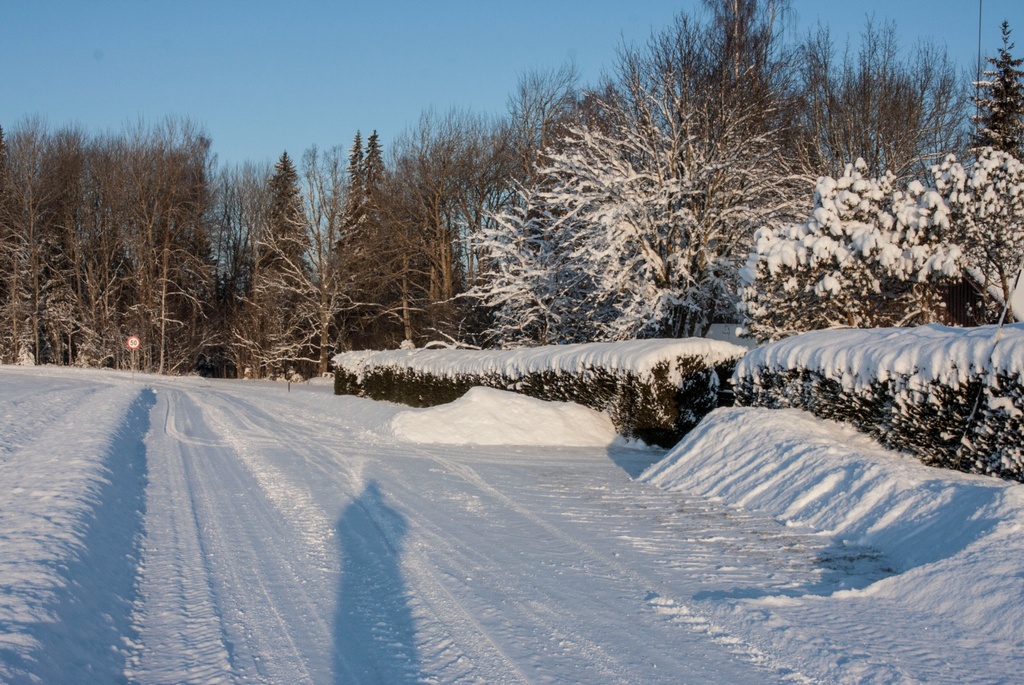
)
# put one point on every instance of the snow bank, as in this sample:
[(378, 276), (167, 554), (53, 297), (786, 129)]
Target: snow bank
[(638, 357), (484, 416), (955, 538)]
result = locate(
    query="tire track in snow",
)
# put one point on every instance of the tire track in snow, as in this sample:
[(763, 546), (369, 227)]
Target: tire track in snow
[(253, 584), (457, 621), (655, 595), (440, 610), (858, 635), (242, 426), (274, 576), (180, 635), (562, 627), (455, 615), (293, 501)]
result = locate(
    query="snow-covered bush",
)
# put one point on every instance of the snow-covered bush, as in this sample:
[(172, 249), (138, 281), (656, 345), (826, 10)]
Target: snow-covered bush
[(655, 390), (952, 397), (869, 255), (25, 356), (986, 201)]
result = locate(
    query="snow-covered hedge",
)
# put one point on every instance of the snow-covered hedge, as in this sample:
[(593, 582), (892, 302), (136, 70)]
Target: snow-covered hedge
[(655, 390), (913, 389)]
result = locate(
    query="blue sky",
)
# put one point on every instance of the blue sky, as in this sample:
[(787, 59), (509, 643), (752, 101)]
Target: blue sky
[(263, 77)]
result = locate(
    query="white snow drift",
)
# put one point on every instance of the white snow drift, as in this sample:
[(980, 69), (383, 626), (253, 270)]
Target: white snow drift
[(955, 538), (484, 416)]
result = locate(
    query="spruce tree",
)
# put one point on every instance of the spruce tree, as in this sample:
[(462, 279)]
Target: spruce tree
[(279, 280), (355, 195), (373, 165), (285, 240), (1001, 109)]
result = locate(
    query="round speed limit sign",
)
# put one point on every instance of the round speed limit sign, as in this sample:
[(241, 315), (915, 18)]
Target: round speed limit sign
[(133, 343)]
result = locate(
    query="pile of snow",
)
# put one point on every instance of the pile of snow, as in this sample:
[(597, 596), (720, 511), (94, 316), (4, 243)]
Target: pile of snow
[(638, 357), (484, 416), (858, 357), (954, 538)]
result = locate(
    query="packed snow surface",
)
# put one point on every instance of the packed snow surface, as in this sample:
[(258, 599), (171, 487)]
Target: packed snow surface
[(635, 356), (924, 354), (190, 531)]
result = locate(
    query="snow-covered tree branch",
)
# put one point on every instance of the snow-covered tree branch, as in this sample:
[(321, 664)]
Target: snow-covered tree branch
[(869, 255)]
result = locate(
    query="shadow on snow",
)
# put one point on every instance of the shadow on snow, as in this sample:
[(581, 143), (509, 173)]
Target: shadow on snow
[(91, 611), (840, 566), (374, 635), (635, 461)]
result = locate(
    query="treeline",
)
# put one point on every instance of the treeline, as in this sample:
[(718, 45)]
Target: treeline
[(649, 185)]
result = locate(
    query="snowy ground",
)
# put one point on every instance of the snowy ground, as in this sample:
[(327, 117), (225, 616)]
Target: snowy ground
[(188, 531)]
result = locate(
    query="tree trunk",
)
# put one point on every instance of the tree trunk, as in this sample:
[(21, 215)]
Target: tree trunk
[(325, 324), (165, 262)]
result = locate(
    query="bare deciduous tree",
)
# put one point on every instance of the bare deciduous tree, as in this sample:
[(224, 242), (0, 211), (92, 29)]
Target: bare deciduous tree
[(899, 115)]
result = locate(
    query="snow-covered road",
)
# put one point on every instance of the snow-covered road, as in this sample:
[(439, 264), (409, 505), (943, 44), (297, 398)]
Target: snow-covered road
[(287, 537), (286, 545)]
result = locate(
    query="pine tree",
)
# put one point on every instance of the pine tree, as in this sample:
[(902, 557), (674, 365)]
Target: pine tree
[(1001, 118)]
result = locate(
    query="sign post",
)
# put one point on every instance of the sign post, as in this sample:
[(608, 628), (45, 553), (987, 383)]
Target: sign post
[(133, 344)]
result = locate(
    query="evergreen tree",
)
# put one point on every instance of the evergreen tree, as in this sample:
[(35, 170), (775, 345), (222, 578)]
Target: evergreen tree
[(356, 194), (1001, 118), (374, 250), (280, 341), (373, 167), (285, 241)]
